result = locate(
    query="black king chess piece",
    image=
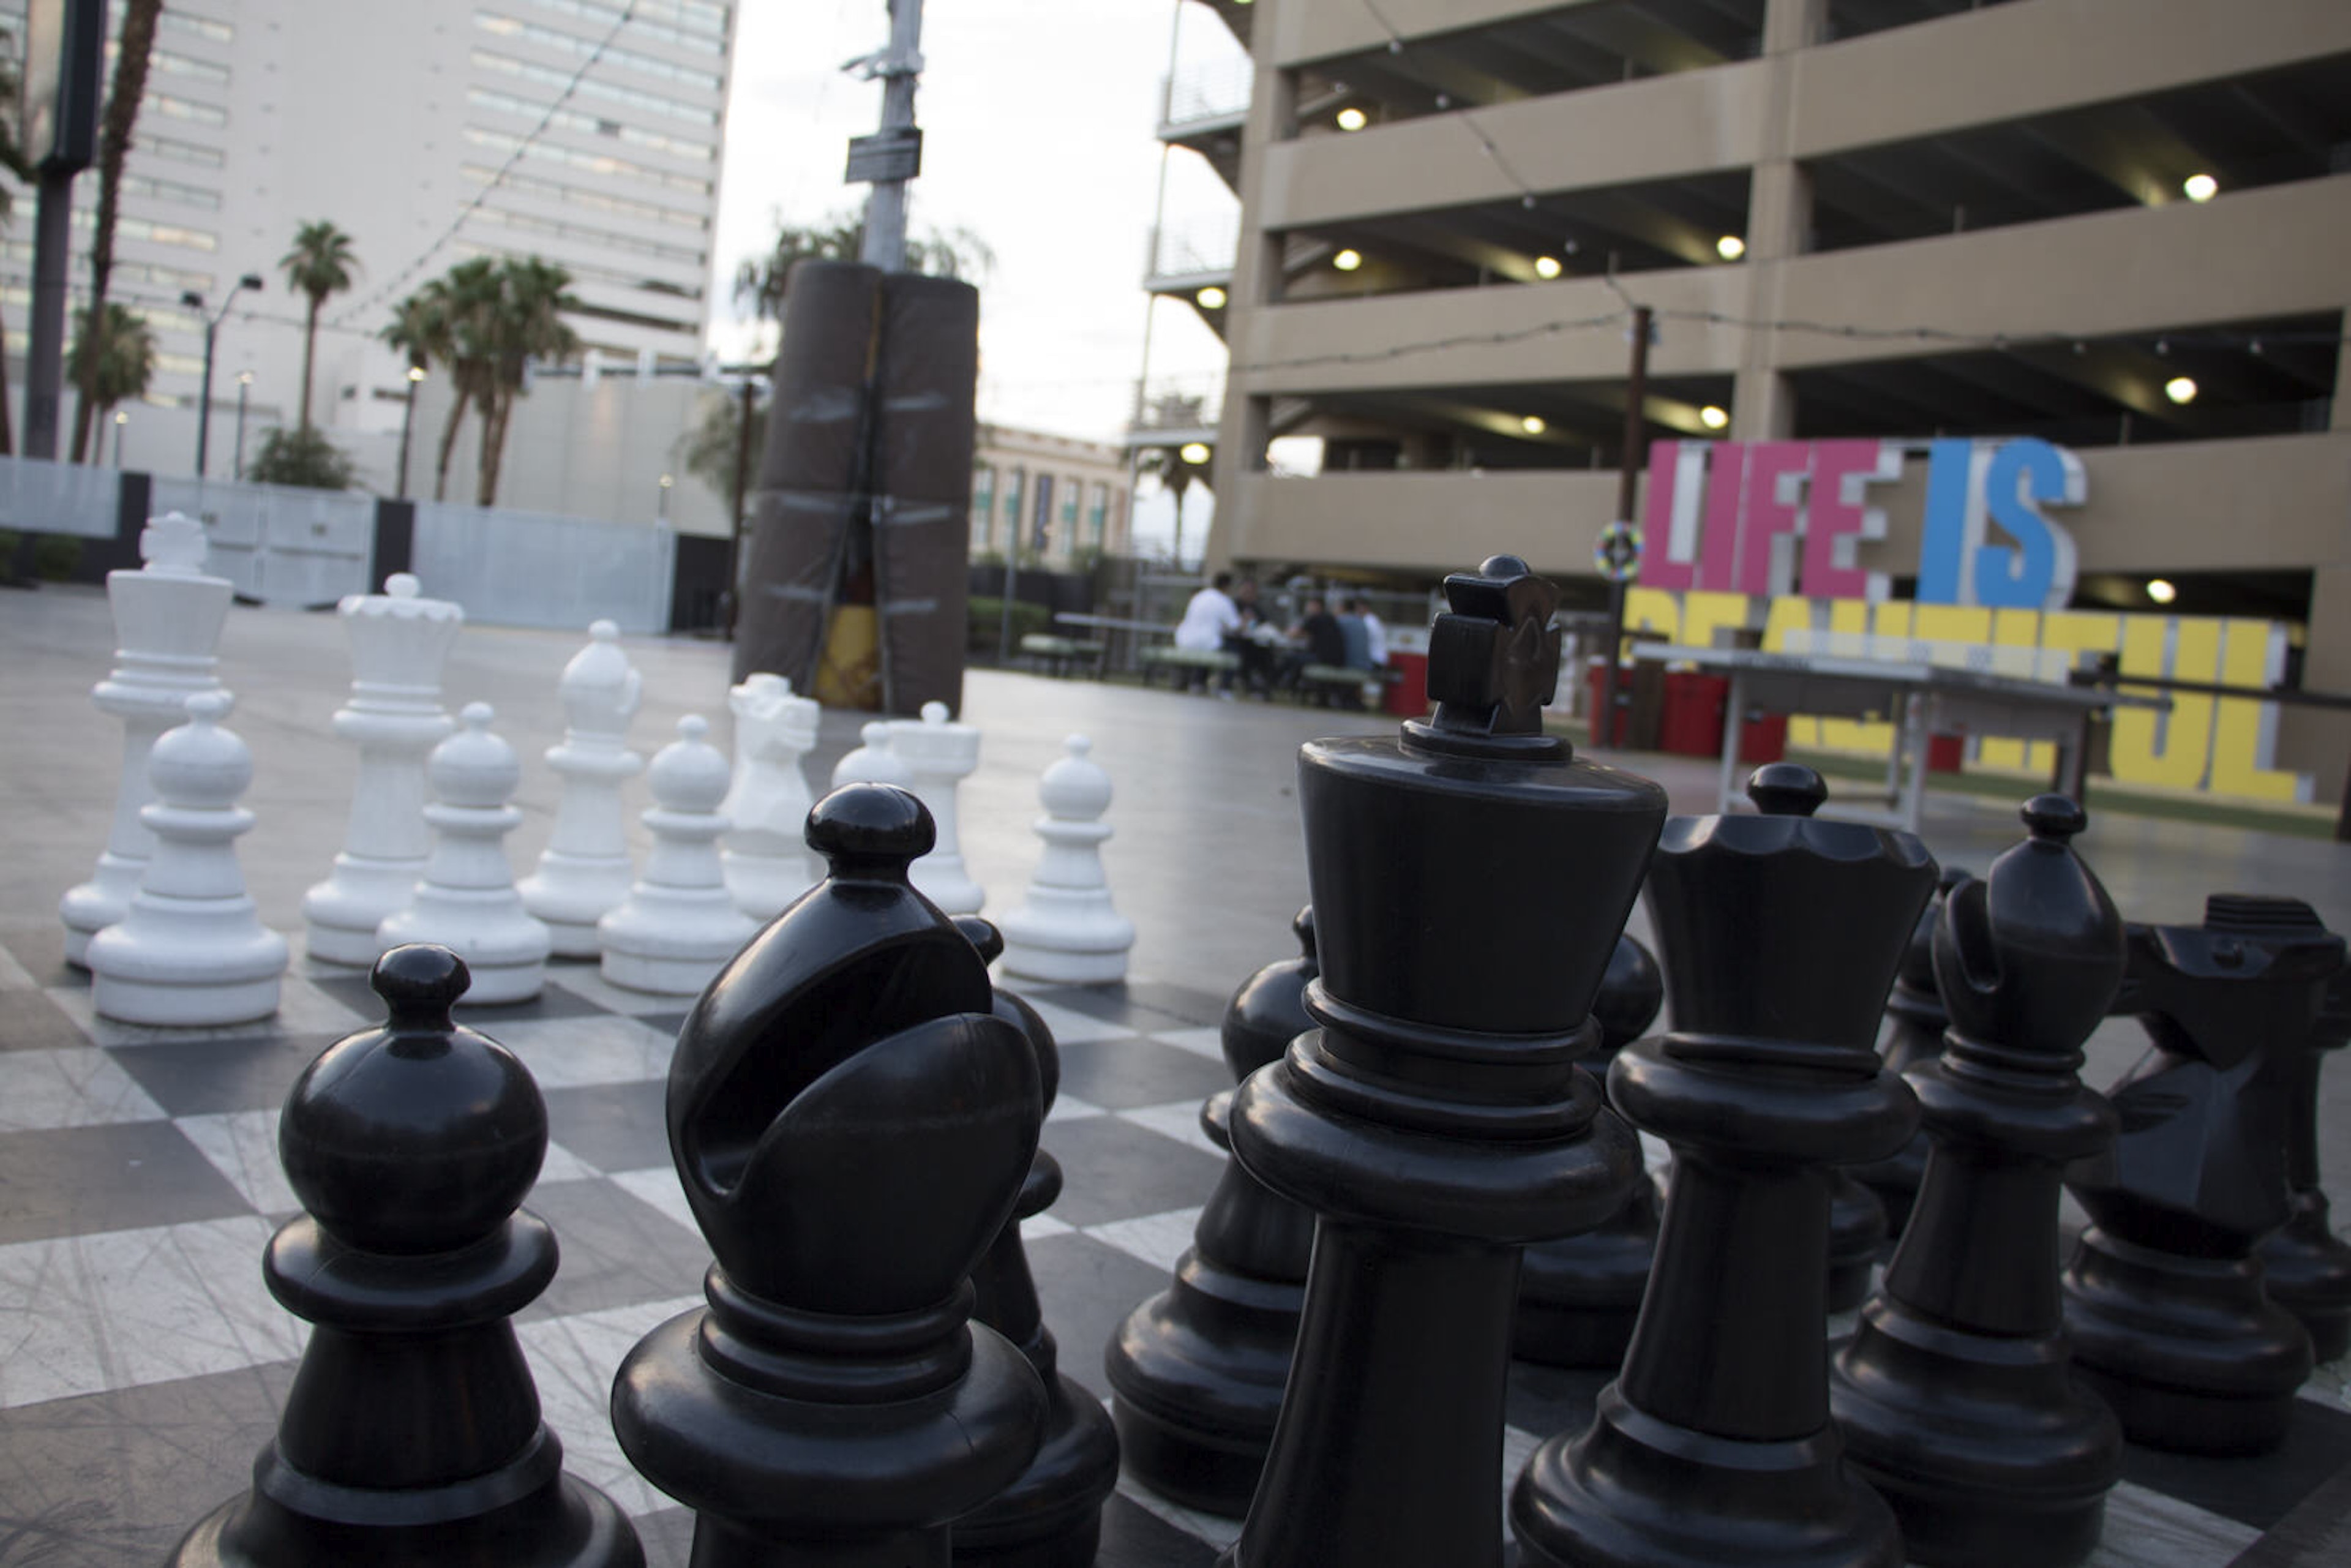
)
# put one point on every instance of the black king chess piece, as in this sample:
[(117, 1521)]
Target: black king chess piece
[(852, 1122), (1196, 1372), (1469, 882), (1781, 934), (1955, 1396), (2163, 1294), (2306, 1266), (412, 1434), (1051, 1516), (1915, 1012)]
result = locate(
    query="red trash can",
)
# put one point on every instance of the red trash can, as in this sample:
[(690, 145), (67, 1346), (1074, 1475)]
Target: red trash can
[(1691, 725), (1407, 697)]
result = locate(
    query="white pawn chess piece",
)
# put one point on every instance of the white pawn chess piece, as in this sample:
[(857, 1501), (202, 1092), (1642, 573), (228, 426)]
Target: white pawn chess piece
[(874, 762), (167, 622), (399, 641), (1066, 930), (941, 756), (468, 901), (766, 859), (679, 926), (192, 952), (585, 873)]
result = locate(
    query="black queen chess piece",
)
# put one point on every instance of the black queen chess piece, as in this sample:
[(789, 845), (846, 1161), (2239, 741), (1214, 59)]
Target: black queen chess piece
[(1468, 882), (411, 1433), (1916, 1019), (2164, 1293), (2305, 1265), (1196, 1372), (852, 1123), (1955, 1396), (1779, 935)]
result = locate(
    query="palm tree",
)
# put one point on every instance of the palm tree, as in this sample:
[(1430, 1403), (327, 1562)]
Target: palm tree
[(319, 266), (122, 364), (122, 116), (528, 325), (762, 282), (1174, 476), (447, 320), (12, 158)]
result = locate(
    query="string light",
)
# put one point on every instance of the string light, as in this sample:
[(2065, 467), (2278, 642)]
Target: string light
[(2200, 187), (2180, 388), (1353, 118), (1532, 424), (1348, 260), (1713, 418), (1547, 268), (1730, 247)]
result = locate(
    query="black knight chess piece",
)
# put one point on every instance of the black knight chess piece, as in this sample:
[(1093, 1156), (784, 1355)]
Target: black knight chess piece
[(852, 1122), (1915, 1012), (1051, 1516), (1196, 1372), (1468, 882), (1781, 934), (2163, 1294), (412, 1434), (2306, 1266), (1956, 1396)]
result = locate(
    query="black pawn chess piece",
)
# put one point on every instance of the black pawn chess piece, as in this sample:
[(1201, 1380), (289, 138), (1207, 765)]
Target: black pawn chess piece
[(2163, 1294), (1955, 1396), (1051, 1516), (852, 1123), (2308, 1266), (1578, 1297), (412, 1434), (1196, 1372), (1469, 882), (1915, 1013), (1781, 934)]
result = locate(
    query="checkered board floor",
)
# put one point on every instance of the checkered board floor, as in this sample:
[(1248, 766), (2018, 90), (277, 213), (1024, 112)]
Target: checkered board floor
[(143, 1361)]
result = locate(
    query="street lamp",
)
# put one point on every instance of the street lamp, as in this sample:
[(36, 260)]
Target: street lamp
[(407, 420), (244, 386), (664, 497), (121, 423), (195, 301)]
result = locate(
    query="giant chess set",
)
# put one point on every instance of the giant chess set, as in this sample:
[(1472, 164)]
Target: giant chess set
[(766, 1200)]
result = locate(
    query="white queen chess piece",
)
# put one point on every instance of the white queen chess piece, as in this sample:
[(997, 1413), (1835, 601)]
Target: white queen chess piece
[(192, 952), (941, 755), (767, 863), (873, 761), (398, 641), (585, 873), (167, 621), (1066, 929), (679, 926), (466, 901)]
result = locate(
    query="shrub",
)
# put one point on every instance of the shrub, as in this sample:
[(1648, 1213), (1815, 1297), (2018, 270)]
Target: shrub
[(302, 458)]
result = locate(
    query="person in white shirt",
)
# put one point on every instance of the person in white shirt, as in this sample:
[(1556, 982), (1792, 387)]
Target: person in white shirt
[(1209, 617), (1373, 632)]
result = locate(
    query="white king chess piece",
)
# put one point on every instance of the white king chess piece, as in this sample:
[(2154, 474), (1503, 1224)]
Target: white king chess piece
[(167, 622), (766, 859), (679, 926), (1066, 929), (398, 641), (192, 952), (942, 755), (585, 873)]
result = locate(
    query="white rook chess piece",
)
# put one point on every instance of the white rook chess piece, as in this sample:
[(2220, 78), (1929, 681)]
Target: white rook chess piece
[(585, 871), (941, 756), (766, 860), (466, 901), (874, 762), (192, 952), (398, 643), (1066, 930), (167, 622), (679, 926)]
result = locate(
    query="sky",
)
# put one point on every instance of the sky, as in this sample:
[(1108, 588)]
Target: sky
[(1038, 122)]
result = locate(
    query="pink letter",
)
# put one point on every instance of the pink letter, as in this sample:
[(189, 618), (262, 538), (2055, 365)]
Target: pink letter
[(1717, 567), (1669, 512), (1775, 479)]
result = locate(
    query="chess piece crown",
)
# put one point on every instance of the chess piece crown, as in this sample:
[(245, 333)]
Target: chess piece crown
[(398, 641)]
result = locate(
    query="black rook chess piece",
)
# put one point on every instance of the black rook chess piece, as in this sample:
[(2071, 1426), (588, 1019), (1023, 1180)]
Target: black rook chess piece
[(1781, 935), (852, 1122), (1051, 1516), (1914, 1010), (1955, 1396), (1469, 882), (2305, 1265), (2163, 1294), (1196, 1372), (412, 1434), (1578, 1297)]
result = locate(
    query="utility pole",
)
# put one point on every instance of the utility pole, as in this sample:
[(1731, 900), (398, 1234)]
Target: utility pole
[(1628, 474), (892, 157), (742, 494)]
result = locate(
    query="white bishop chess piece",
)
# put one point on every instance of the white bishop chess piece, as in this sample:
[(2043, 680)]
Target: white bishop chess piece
[(941, 755), (873, 761), (398, 641), (585, 871), (766, 859), (192, 952), (468, 901), (167, 622), (1066, 929), (679, 926)]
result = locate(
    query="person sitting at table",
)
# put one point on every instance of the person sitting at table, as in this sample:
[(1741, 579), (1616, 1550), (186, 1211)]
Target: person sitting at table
[(1376, 635), (1356, 635), (1315, 640), (1253, 644), (1210, 618)]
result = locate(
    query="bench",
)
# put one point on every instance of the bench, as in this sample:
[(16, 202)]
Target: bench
[(1324, 682), (1186, 664), (1059, 655)]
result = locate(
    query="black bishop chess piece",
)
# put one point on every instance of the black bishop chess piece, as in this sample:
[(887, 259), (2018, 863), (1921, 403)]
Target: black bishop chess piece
[(2163, 1294), (1196, 1372), (1955, 1396), (1781, 934), (412, 1434), (1468, 882), (1578, 1297), (852, 1122), (2306, 1266), (1917, 1020), (1051, 1516)]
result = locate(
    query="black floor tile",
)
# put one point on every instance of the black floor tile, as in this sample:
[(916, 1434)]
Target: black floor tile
[(614, 1127), (2259, 1490), (1133, 1537), (1142, 1004), (39, 949), (616, 1249), (30, 1021), (1121, 1074), (1088, 1288), (129, 1175), (1111, 1170), (202, 1077)]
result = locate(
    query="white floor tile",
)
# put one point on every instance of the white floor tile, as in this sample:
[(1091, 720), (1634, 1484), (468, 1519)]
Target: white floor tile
[(75, 1088), (658, 1185), (1070, 1108), (1157, 1238), (243, 1146), (2150, 1530), (1071, 1027), (1179, 1120), (1207, 1042), (573, 1360), (576, 1053)]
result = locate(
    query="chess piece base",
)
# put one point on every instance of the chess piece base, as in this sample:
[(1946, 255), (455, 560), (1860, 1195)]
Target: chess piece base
[(1051, 1516), (344, 911), (2306, 1269), (1578, 1299), (1072, 937), (1857, 1229), (183, 1005), (100, 902), (670, 942), (567, 1524), (1064, 968), (763, 884), (569, 893), (135, 978)]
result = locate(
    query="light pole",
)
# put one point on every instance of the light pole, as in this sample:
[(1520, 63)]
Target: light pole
[(407, 421), (244, 386), (195, 301), (664, 497), (121, 423)]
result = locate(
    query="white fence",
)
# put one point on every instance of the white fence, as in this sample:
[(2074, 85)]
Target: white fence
[(280, 545), (531, 569), (58, 498)]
